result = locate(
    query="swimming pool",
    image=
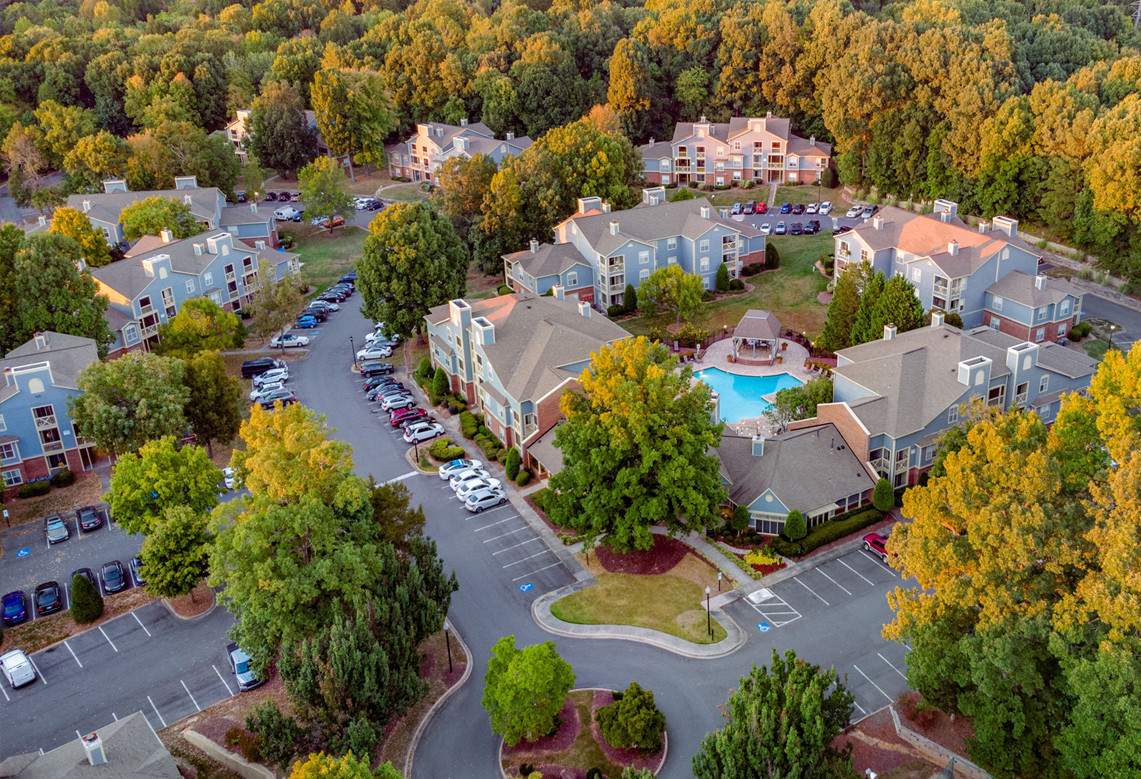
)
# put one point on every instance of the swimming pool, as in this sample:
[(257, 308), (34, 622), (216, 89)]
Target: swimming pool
[(741, 397)]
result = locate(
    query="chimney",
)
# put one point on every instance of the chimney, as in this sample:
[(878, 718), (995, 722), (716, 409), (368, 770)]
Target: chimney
[(86, 206), (463, 122), (944, 216), (461, 144), (889, 332), (198, 249), (588, 203), (703, 119), (983, 227), (768, 114), (254, 207), (812, 140), (758, 445), (651, 140), (185, 182), (936, 318), (534, 246), (584, 309), (188, 200), (723, 212), (877, 222), (1040, 281), (93, 748), (42, 220), (705, 211), (166, 235), (41, 341), (510, 135), (259, 245), (558, 292), (606, 208), (613, 227), (952, 247), (1006, 225)]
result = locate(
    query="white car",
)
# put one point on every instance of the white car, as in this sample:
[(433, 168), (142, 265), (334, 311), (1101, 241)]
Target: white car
[(812, 208), (448, 470), (825, 208), (484, 499), (854, 211), (286, 214), (374, 353), (468, 489), (766, 228), (272, 376), (289, 341), (468, 475), (423, 431), (265, 390), (18, 669), (229, 477), (394, 402)]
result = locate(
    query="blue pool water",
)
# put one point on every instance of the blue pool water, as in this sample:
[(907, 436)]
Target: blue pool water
[(741, 396)]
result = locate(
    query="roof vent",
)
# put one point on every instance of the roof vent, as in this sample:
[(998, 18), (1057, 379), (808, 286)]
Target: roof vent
[(198, 249), (41, 341), (259, 245), (254, 207), (463, 122), (606, 208), (558, 292), (889, 332), (42, 220), (584, 309), (952, 246), (614, 227), (705, 211), (93, 748), (509, 135), (877, 222), (984, 226), (188, 200), (166, 235), (758, 445), (534, 245), (936, 318)]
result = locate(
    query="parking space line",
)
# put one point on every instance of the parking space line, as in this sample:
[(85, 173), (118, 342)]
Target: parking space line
[(73, 655), (513, 546), (488, 511), (38, 672), (115, 716), (160, 719), (504, 535), (829, 578), (528, 557), (109, 641), (189, 694), (873, 684), (878, 562), (5, 693), (868, 714), (66, 599), (858, 706), (493, 524), (805, 586), (222, 679), (531, 573), (902, 675), (144, 627), (853, 570)]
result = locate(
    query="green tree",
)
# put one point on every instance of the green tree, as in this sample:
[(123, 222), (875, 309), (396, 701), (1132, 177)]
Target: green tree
[(636, 449), (397, 521), (94, 158), (772, 256), (176, 553), (464, 183), (630, 299), (161, 477), (795, 528), (864, 326), (525, 689), (92, 243), (61, 127), (179, 148), (322, 766), (412, 260), (796, 403), (781, 722), (86, 601), (324, 188), (50, 293), (280, 135), (897, 305), (278, 735), (883, 497), (513, 463), (275, 303), (722, 282), (632, 720), (152, 215), (214, 405), (671, 290), (354, 113), (842, 309), (200, 325), (440, 385)]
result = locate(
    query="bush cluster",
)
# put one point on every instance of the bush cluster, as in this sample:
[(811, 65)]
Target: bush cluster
[(736, 285), (513, 463), (504, 289), (691, 335), (277, 734), (33, 489), (752, 269), (615, 310), (443, 450), (827, 533), (62, 478), (469, 425), (632, 720), (86, 602), (523, 477), (1080, 331)]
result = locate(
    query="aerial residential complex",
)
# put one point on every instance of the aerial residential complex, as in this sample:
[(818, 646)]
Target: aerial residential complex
[(597, 252), (37, 436), (513, 356), (419, 158), (761, 149)]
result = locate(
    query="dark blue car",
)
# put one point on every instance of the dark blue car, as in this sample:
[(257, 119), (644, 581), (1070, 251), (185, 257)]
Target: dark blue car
[(15, 608), (306, 321), (786, 208)]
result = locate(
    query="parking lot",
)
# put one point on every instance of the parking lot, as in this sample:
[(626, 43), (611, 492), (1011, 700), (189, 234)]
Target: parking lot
[(827, 223), (832, 614), (146, 660)]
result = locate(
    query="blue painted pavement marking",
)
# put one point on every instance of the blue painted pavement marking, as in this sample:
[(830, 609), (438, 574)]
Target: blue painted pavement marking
[(526, 587), (763, 627)]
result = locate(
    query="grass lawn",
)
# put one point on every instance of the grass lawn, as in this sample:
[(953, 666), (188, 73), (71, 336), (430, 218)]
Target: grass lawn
[(404, 193), (1096, 348), (789, 292), (324, 256), (806, 193), (669, 602)]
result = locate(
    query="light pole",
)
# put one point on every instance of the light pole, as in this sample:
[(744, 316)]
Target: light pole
[(708, 616), (719, 581), (353, 349), (1111, 329)]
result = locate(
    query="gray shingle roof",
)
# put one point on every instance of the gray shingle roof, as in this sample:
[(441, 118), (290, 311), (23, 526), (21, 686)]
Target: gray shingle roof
[(244, 215), (549, 260), (659, 150), (758, 324), (67, 354), (133, 752), (806, 469), (1021, 288), (106, 206), (544, 450), (648, 223)]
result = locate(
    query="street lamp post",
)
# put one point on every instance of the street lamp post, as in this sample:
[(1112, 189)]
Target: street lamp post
[(448, 641), (353, 349), (719, 581), (708, 616), (1111, 329)]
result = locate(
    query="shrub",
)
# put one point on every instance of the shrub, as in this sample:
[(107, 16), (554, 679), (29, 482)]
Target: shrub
[(456, 404), (444, 450), (883, 497), (523, 477), (468, 424), (504, 289), (827, 533), (722, 281), (795, 526), (691, 335), (278, 735), (33, 489), (62, 478), (245, 743), (440, 386), (762, 555), (360, 737), (736, 285), (772, 256), (752, 269), (740, 518), (707, 295), (615, 310), (632, 720), (489, 446), (595, 773), (424, 369), (512, 464), (682, 194), (630, 299), (1080, 331), (86, 601), (501, 456)]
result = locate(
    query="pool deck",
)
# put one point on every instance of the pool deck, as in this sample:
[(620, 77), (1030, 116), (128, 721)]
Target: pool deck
[(792, 363)]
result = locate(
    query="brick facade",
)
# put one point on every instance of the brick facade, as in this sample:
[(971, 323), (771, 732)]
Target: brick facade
[(1026, 332)]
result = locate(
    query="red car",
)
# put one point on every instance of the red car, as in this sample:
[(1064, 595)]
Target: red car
[(877, 545), (402, 415), (762, 207)]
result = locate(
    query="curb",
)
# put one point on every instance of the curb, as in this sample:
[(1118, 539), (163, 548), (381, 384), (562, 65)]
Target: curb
[(419, 732), (541, 613), (196, 617), (656, 771)]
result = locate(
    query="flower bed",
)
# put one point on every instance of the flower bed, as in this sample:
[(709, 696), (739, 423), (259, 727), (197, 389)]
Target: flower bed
[(664, 555)]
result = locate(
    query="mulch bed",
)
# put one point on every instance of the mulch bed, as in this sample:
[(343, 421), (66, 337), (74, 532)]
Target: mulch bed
[(876, 745), (558, 741), (765, 570), (935, 724), (626, 757), (197, 602), (661, 557)]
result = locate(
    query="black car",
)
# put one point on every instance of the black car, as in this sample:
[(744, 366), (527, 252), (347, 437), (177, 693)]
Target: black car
[(810, 228), (270, 197), (798, 209), (48, 598), (319, 314), (240, 196), (137, 571), (287, 401), (841, 229), (369, 369), (351, 276), (796, 228), (284, 197), (89, 518), (86, 574), (113, 576), (251, 368), (376, 381)]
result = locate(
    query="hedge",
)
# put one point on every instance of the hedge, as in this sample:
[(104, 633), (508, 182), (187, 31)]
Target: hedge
[(523, 477), (827, 533), (468, 424), (34, 489), (504, 289), (444, 450), (62, 478)]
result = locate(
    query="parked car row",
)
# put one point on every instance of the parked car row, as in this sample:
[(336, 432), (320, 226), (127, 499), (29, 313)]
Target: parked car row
[(288, 214), (473, 485), (281, 197), (368, 204), (48, 597), (57, 530), (862, 212), (393, 398)]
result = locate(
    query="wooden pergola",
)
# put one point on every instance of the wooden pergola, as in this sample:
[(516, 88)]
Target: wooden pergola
[(757, 329)]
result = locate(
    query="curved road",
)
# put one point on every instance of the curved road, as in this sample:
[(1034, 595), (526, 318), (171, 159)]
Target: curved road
[(834, 614)]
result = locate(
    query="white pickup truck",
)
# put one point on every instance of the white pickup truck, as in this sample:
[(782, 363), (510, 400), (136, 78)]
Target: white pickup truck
[(18, 669)]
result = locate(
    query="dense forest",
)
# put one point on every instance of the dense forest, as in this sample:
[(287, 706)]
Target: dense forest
[(1031, 109)]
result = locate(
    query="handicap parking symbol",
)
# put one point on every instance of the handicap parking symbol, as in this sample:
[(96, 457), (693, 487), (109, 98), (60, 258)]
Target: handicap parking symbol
[(526, 587), (24, 551), (763, 626)]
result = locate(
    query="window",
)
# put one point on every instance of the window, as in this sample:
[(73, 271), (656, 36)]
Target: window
[(9, 453), (863, 255), (13, 478), (704, 247), (168, 302), (704, 263), (572, 279), (207, 279), (162, 272), (3, 424), (996, 302), (1043, 384), (671, 243), (1040, 335), (643, 274), (736, 146), (144, 303), (1062, 329), (1021, 392), (190, 286), (643, 257), (672, 259), (916, 274), (1064, 308), (1039, 314), (996, 396), (845, 250), (928, 454), (953, 415)]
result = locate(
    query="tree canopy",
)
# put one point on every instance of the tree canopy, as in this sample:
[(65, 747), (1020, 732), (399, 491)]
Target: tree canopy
[(636, 447), (671, 290), (175, 553), (160, 477), (200, 325), (214, 405), (524, 689), (152, 215), (92, 243), (324, 187), (280, 135)]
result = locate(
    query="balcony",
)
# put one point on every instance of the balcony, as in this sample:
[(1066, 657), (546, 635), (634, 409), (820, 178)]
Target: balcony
[(146, 310), (45, 422), (50, 447)]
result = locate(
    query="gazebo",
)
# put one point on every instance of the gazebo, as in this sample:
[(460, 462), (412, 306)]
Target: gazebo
[(759, 331)]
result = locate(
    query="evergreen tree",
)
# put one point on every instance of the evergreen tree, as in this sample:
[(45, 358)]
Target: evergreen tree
[(722, 282), (86, 600), (864, 326), (842, 310)]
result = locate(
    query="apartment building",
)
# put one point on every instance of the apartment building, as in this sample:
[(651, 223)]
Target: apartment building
[(760, 149), (419, 157), (597, 252), (237, 132), (1033, 308)]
